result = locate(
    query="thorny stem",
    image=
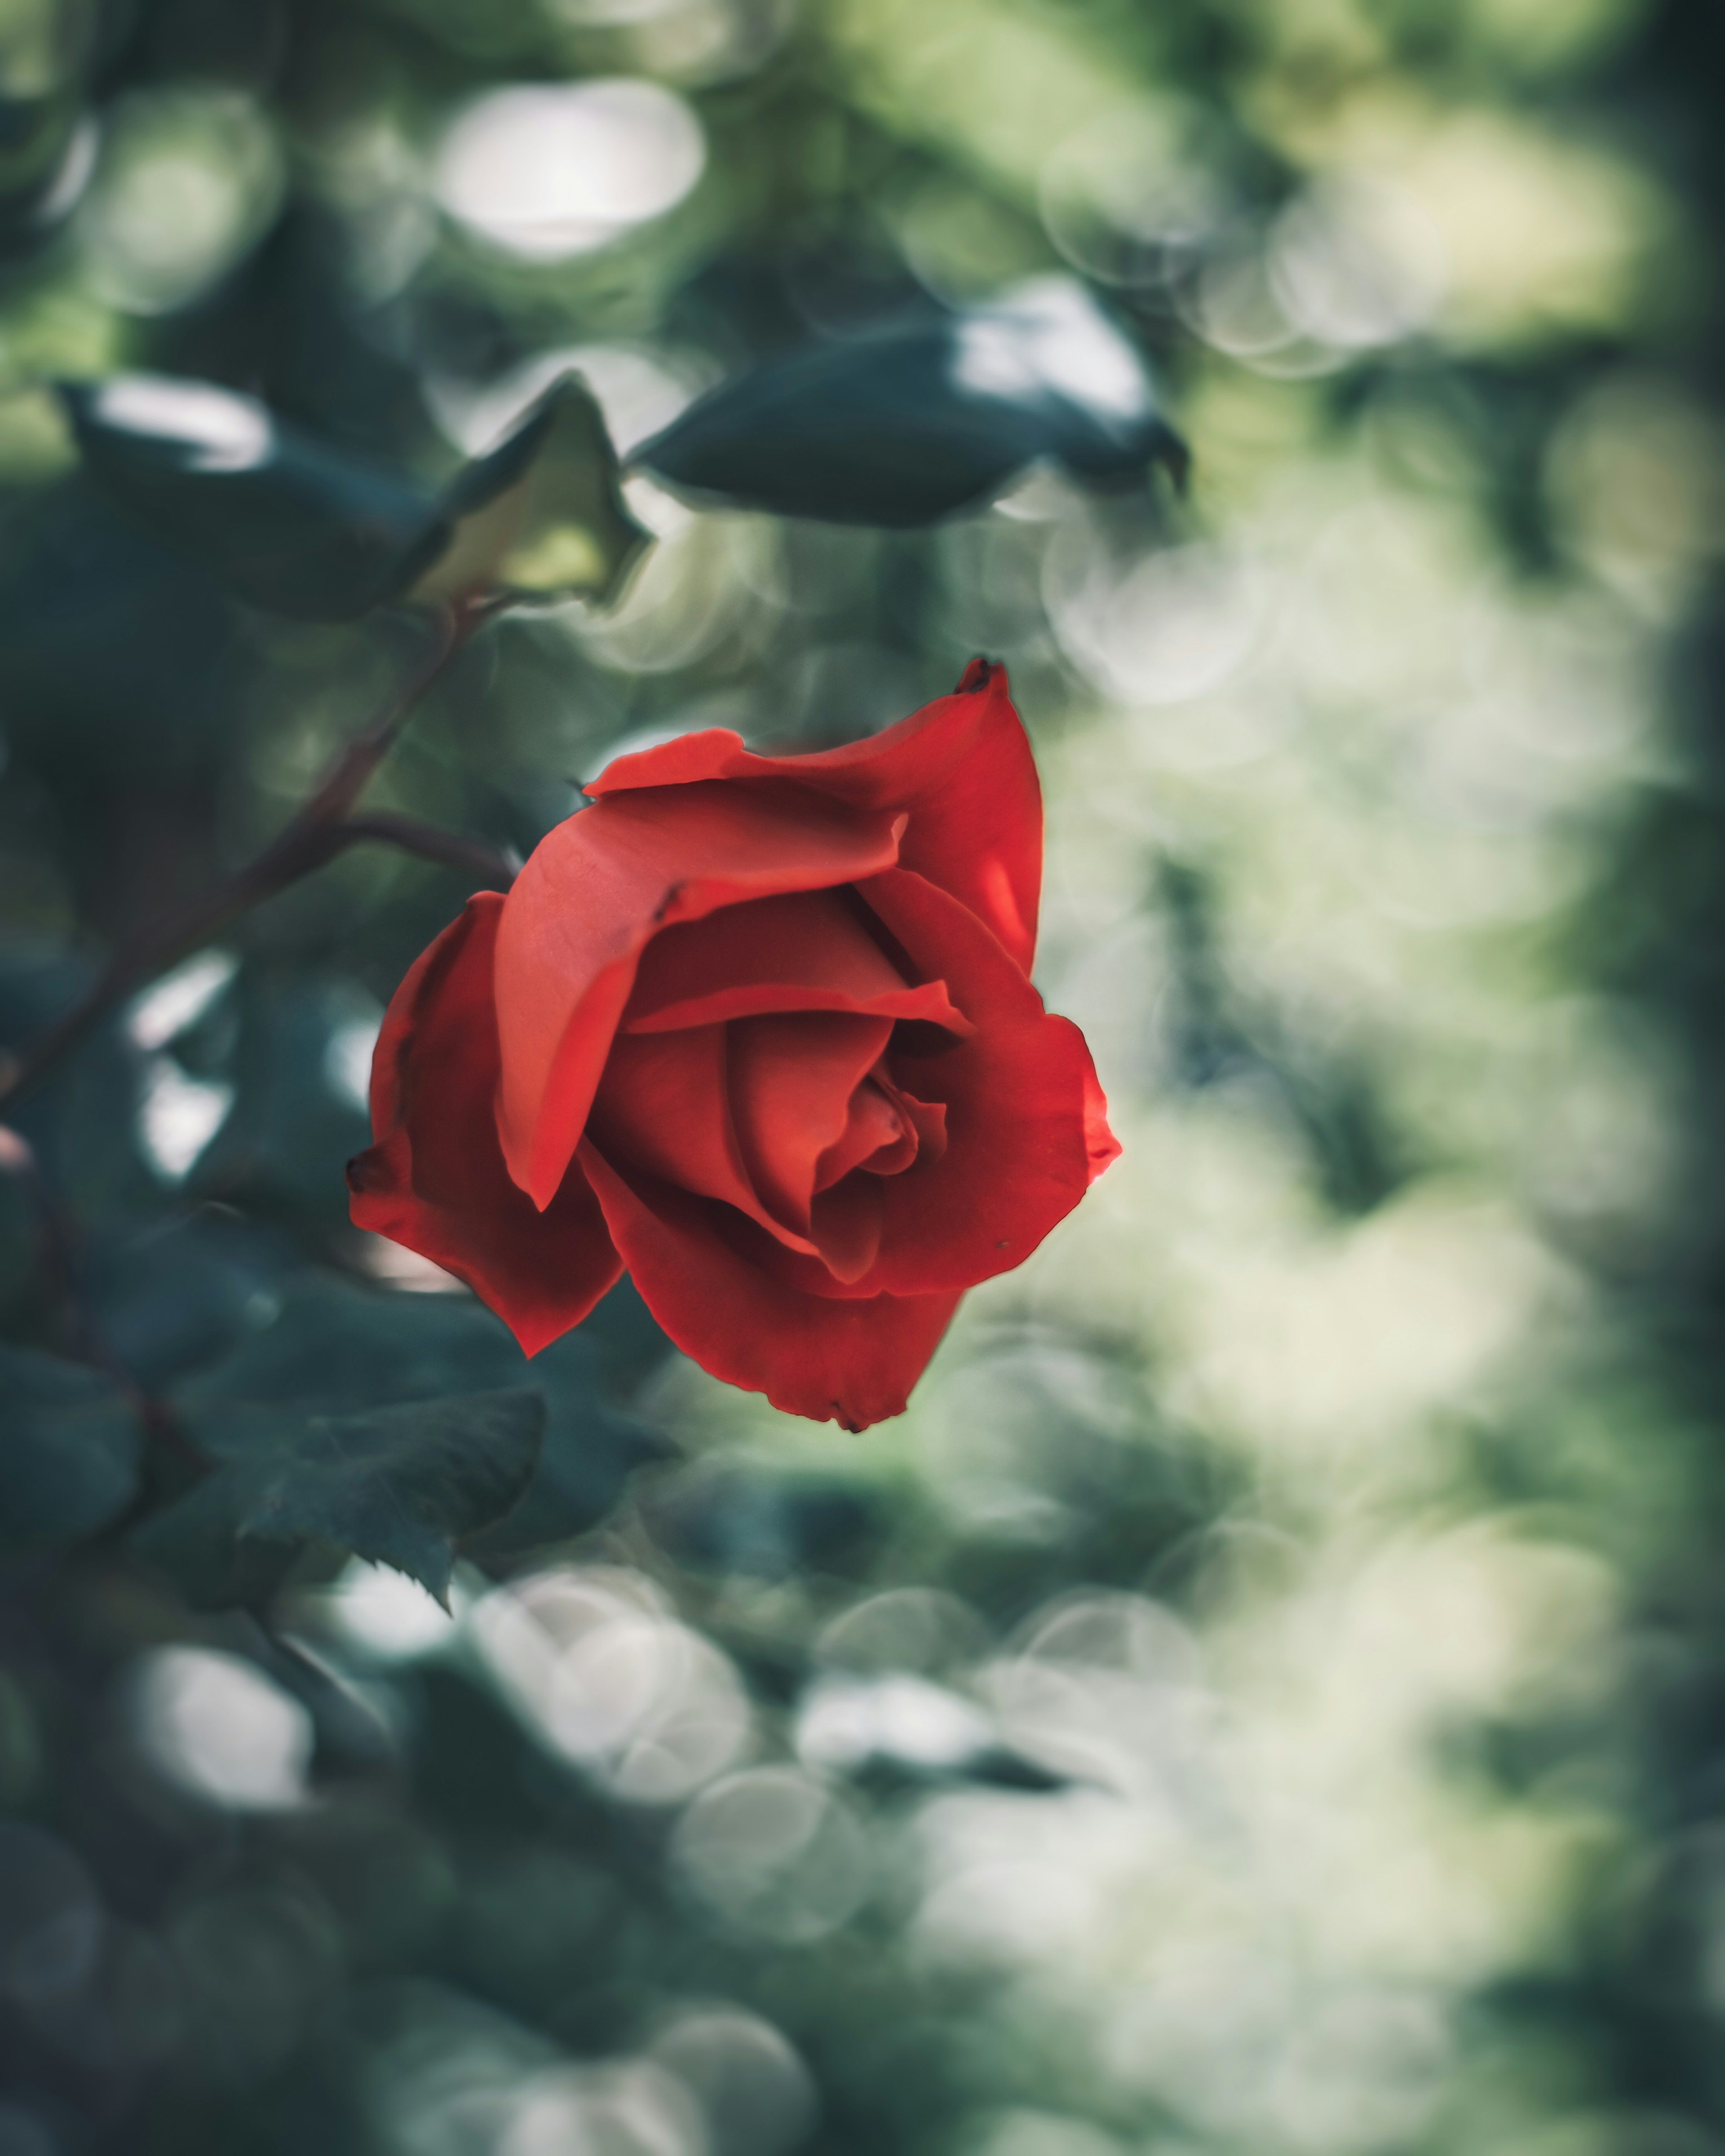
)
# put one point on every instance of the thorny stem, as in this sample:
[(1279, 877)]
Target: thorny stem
[(320, 829)]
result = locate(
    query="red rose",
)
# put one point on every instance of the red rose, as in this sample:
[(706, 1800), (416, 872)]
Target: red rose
[(759, 1029)]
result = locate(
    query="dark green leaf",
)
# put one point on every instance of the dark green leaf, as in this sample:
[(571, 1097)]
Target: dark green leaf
[(284, 521), (592, 1446), (69, 1447), (333, 1349), (84, 1126), (401, 1485), (119, 653), (925, 416), (542, 517), (300, 528), (173, 1297), (291, 1118)]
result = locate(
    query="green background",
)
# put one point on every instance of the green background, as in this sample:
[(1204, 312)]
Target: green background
[(1267, 1696)]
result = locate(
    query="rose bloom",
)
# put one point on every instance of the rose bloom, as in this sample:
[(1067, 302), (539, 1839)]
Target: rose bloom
[(759, 1029)]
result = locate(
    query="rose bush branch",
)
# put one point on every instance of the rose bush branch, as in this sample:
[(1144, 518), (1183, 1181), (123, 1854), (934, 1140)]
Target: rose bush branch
[(320, 829), (491, 869)]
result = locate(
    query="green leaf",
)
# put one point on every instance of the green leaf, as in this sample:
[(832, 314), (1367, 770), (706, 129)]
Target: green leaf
[(926, 415), (295, 525), (591, 1447), (70, 1443), (271, 1157), (542, 517), (334, 1349), (85, 1126), (331, 1348), (282, 519), (173, 1294), (402, 1485)]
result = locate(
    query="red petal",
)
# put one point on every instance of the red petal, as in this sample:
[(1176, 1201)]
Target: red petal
[(792, 1082), (806, 951), (849, 1362), (961, 766), (663, 1106), (435, 1180), (876, 1131), (1100, 1143), (596, 888), (847, 1221), (926, 1120), (1024, 1126)]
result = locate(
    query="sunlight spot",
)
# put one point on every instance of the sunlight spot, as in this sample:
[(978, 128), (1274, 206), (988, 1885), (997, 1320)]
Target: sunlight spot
[(189, 181), (843, 1722), (1355, 263), (774, 1854), (179, 1116), (347, 1060), (601, 1673), (179, 999), (398, 1267), (1049, 335), (392, 1618), (219, 1729), (546, 172)]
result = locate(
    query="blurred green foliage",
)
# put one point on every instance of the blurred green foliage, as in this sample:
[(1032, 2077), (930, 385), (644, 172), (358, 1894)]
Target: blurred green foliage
[(1267, 1694)]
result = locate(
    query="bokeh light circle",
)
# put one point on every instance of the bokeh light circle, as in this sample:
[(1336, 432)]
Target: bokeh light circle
[(545, 171)]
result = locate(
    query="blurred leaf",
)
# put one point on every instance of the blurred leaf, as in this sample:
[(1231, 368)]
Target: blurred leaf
[(929, 415), (333, 1348), (624, 1338), (299, 326), (119, 653), (591, 1447), (303, 529), (174, 1296), (400, 1485), (84, 1127), (292, 1122), (69, 1447), (542, 517), (284, 521)]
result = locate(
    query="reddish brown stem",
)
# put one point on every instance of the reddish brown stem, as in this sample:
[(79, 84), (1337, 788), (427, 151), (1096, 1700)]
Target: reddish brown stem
[(492, 870)]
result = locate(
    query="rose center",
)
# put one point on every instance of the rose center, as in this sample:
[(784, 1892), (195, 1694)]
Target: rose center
[(753, 1067)]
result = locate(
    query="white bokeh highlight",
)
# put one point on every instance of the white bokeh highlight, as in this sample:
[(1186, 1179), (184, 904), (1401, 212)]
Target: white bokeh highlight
[(545, 171)]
